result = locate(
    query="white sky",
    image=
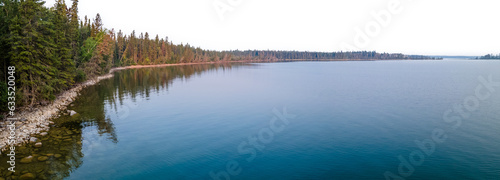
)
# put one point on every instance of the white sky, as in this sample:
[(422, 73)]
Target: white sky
[(429, 27)]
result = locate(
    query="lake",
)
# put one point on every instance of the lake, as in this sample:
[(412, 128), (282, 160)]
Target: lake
[(295, 120)]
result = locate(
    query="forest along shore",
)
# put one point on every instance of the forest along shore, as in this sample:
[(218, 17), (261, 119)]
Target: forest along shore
[(37, 120)]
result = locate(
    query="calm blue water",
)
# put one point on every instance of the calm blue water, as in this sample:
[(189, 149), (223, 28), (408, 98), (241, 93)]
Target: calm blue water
[(352, 120)]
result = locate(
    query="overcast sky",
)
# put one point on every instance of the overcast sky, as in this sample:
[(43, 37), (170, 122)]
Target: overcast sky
[(429, 27)]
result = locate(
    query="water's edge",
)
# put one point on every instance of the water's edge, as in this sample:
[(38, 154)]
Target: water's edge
[(37, 121)]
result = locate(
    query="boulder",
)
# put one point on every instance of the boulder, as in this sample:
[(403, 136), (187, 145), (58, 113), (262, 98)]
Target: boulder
[(26, 160), (71, 112), (38, 144), (33, 139), (27, 176), (42, 158), (69, 132)]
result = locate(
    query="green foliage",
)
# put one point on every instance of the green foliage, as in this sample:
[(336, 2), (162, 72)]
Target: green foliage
[(7, 12), (87, 50), (3, 97), (32, 49), (80, 76)]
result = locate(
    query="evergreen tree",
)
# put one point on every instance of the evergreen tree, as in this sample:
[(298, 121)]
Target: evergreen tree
[(73, 31), (63, 37), (7, 12), (32, 51)]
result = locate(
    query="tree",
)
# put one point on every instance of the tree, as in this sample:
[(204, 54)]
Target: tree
[(63, 39), (73, 31), (97, 26), (7, 12), (32, 50)]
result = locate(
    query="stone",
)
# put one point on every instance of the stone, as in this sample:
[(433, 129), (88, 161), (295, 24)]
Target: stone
[(38, 144), (33, 139), (42, 177), (71, 112), (57, 155), (43, 134), (27, 176), (26, 160), (42, 158), (69, 132)]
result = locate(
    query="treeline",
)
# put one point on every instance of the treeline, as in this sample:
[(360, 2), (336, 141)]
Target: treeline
[(301, 55), (52, 49), (489, 56)]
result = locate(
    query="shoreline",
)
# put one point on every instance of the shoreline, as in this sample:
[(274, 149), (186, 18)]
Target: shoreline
[(34, 121)]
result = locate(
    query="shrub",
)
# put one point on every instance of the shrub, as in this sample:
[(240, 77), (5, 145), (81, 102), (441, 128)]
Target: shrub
[(80, 76)]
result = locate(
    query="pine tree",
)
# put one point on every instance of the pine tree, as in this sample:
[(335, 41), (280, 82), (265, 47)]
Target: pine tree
[(63, 36), (74, 31), (7, 12), (32, 51)]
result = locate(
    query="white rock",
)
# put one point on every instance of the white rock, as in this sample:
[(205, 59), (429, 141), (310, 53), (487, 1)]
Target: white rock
[(33, 139), (71, 112)]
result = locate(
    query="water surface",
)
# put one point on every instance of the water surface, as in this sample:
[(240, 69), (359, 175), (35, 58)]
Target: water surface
[(352, 120)]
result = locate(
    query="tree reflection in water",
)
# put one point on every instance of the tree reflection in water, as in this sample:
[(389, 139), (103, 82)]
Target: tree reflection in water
[(62, 149)]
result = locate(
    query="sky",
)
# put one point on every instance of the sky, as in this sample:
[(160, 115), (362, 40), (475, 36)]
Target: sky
[(426, 27)]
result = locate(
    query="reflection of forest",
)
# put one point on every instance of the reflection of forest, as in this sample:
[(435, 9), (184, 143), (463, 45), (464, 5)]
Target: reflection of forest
[(144, 81), (61, 150)]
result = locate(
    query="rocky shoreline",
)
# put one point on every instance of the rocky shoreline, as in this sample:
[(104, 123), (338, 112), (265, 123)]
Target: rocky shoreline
[(37, 121)]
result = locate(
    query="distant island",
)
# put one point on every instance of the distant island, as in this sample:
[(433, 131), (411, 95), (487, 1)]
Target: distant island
[(52, 49), (489, 56)]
